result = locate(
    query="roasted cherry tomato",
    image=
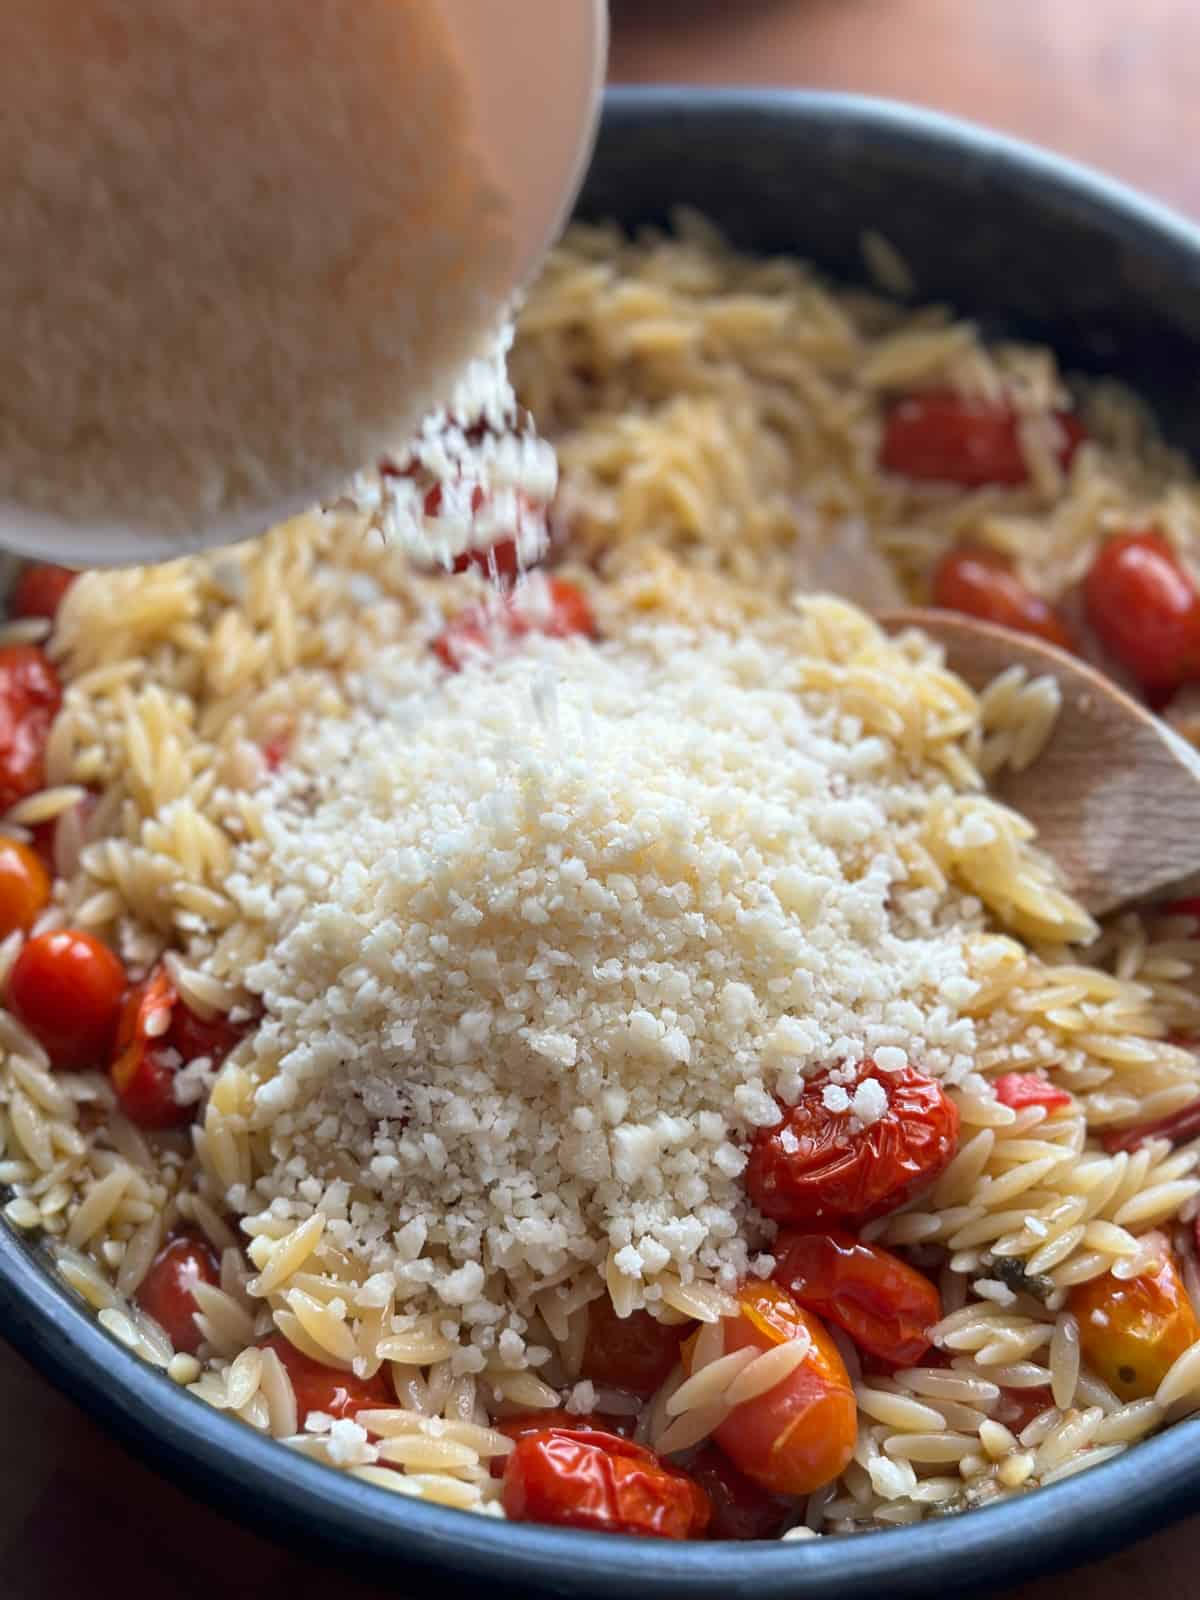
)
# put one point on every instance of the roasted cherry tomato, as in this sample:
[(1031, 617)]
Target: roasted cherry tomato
[(1017, 1090), (1131, 1330), (981, 583), (1145, 610), (39, 590), (528, 1422), (574, 1478), (166, 1291), (30, 696), (741, 1508), (66, 987), (821, 1167), (945, 437), (799, 1434), (321, 1388), (157, 1035), (24, 887), (549, 606), (885, 1305), (1018, 1407), (634, 1353)]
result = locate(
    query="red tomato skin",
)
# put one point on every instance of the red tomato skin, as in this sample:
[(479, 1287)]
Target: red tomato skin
[(165, 1292), (981, 583), (40, 589), (885, 1305), (741, 1508), (831, 1176), (321, 1388), (475, 631), (940, 436), (800, 1434), (1017, 1090), (1018, 1407), (66, 987), (143, 1073), (1189, 907), (24, 887), (634, 1353), (1145, 610), (573, 1478), (1178, 1127), (1132, 1330), (30, 695)]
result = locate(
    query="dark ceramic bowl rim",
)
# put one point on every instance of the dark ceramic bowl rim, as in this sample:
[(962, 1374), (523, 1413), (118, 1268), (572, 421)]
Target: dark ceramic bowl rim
[(369, 1529)]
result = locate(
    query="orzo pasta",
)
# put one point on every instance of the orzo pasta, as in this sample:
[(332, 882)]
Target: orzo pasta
[(585, 1046)]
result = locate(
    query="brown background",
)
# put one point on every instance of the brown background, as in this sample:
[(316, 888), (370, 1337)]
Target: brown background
[(1113, 82)]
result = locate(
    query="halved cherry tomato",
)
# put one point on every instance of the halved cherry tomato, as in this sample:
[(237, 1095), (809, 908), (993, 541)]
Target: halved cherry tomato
[(39, 590), (30, 696), (981, 583), (549, 606), (573, 1478), (947, 437), (819, 1166), (166, 1294), (634, 1353), (1131, 1330), (24, 887), (321, 1388), (1017, 1090), (741, 1508), (885, 1305), (66, 987), (158, 1034), (1145, 610), (799, 1434)]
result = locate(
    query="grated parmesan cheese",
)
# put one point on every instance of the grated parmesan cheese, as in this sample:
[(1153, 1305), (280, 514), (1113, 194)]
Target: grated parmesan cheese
[(530, 987)]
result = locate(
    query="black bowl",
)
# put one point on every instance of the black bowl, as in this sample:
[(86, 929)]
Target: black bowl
[(1025, 243)]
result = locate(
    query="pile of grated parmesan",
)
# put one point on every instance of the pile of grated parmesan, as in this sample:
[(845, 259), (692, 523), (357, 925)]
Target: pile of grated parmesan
[(543, 939)]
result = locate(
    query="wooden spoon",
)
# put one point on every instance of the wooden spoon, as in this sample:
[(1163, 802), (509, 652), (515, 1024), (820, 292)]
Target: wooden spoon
[(1115, 794)]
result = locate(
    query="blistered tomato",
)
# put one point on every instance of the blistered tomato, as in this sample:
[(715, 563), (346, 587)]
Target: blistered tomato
[(1145, 610), (166, 1292), (819, 1166), (66, 987), (800, 1433), (30, 696), (1131, 1330), (580, 1479), (940, 436), (981, 583), (886, 1306)]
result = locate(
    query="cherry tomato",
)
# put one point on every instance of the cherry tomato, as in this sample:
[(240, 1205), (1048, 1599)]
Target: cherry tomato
[(819, 1166), (741, 1509), (799, 1434), (66, 987), (30, 696), (880, 1301), (1020, 1089), (540, 1421), (579, 1479), (1145, 610), (981, 583), (634, 1353), (1178, 1128), (39, 590), (150, 1048), (554, 608), (1132, 1330), (1018, 1407), (946, 437), (321, 1388), (166, 1291), (24, 887)]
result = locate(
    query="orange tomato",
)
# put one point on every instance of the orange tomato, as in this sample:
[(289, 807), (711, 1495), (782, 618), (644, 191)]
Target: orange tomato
[(1131, 1330), (800, 1434), (24, 887), (633, 1353)]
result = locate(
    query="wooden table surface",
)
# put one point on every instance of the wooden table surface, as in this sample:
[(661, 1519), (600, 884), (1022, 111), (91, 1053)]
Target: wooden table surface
[(78, 1519)]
